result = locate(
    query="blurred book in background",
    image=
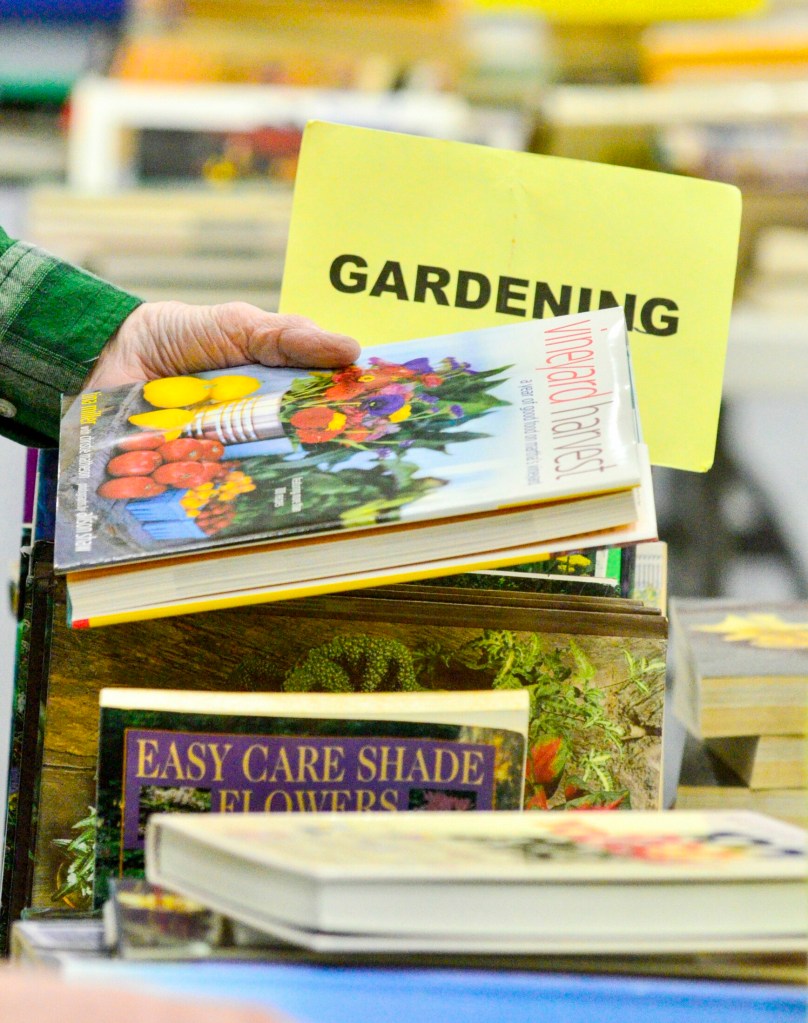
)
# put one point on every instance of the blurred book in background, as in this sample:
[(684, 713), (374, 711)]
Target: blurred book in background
[(378, 46), (182, 242), (740, 687)]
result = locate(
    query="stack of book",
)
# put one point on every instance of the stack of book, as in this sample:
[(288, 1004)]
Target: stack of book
[(160, 939), (594, 738), (221, 519), (770, 47), (430, 456), (741, 689), (190, 243)]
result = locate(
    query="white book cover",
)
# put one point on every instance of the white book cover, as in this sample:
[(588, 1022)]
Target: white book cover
[(575, 881)]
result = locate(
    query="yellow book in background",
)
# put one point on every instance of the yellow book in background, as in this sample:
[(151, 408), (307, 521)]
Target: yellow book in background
[(602, 12), (396, 236)]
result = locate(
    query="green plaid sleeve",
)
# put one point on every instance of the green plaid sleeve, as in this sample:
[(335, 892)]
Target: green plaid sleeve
[(54, 320)]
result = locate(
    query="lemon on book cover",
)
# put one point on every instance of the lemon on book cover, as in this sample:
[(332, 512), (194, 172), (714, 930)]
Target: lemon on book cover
[(174, 392)]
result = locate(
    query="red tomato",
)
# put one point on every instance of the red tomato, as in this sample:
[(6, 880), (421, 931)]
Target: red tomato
[(180, 474), (130, 486), (212, 470), (134, 463), (182, 449), (141, 442), (212, 450)]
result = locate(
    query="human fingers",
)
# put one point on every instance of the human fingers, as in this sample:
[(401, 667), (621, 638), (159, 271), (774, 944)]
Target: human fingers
[(160, 339)]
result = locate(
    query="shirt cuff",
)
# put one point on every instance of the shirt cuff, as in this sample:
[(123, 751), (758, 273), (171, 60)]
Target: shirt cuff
[(54, 320)]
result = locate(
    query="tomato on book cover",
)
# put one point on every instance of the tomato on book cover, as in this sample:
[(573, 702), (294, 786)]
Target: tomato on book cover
[(421, 430)]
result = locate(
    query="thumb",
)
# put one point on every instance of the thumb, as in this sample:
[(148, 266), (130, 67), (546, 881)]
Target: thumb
[(284, 340)]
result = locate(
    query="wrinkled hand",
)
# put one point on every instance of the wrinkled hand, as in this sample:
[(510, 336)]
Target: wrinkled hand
[(161, 339), (37, 995)]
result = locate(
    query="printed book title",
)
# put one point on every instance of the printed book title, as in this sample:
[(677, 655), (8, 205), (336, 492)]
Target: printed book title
[(577, 404), (231, 773)]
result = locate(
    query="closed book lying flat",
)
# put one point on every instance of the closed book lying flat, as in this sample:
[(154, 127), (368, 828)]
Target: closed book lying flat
[(706, 782), (582, 882), (740, 668), (429, 456)]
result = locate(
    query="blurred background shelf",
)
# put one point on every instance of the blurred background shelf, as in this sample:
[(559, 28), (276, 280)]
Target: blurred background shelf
[(104, 111)]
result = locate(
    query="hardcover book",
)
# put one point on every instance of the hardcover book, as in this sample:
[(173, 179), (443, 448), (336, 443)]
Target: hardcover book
[(394, 236), (740, 668), (470, 450), (236, 752), (558, 882)]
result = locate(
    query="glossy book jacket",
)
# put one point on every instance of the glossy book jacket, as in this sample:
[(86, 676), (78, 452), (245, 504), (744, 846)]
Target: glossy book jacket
[(422, 430)]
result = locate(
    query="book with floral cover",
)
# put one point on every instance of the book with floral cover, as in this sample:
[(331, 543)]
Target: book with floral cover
[(586, 882), (251, 484)]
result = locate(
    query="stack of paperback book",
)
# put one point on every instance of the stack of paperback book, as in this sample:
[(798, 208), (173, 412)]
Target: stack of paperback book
[(741, 690), (515, 437)]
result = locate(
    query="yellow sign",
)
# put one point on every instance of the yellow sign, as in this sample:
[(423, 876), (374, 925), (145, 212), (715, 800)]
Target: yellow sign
[(398, 236), (603, 12)]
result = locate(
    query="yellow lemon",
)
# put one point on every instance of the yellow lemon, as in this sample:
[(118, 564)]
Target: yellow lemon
[(232, 386), (174, 392), (172, 419)]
